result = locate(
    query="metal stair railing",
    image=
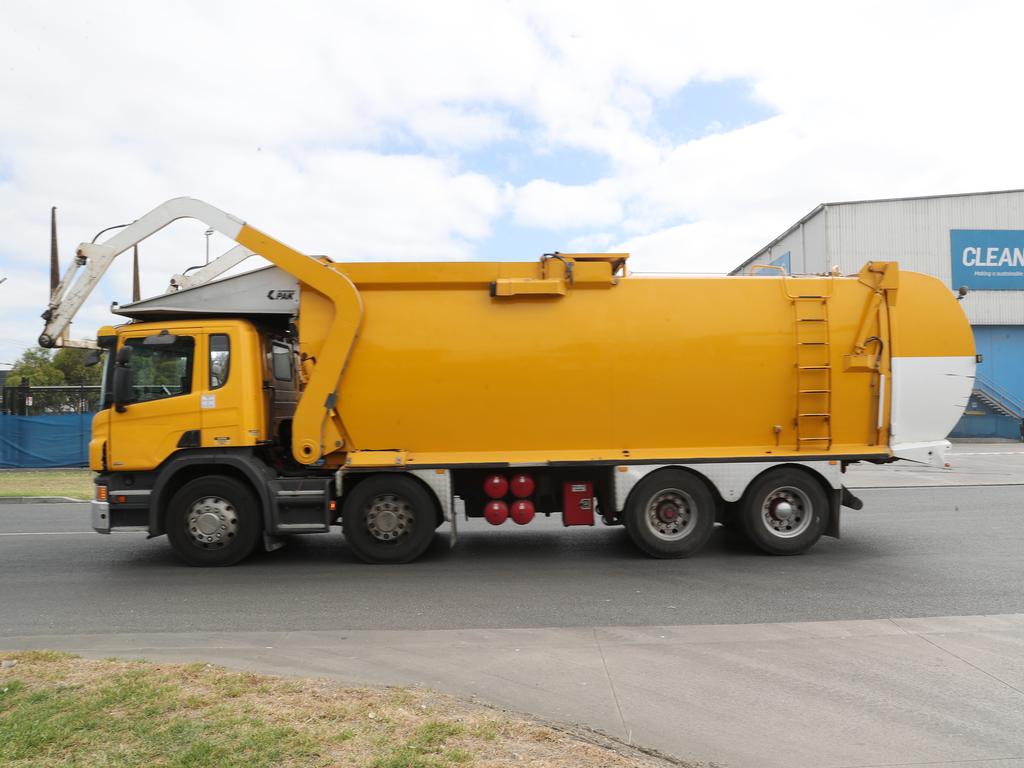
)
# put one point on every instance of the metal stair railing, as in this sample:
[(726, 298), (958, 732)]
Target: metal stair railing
[(999, 397)]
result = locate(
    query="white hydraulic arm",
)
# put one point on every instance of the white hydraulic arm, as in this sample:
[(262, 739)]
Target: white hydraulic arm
[(215, 268), (74, 288), (317, 427)]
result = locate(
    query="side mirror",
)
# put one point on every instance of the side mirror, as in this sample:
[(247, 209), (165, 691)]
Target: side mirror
[(123, 392), (92, 357)]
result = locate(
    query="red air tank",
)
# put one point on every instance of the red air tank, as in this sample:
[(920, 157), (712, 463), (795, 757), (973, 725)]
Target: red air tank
[(522, 486), (496, 512), (496, 487), (522, 511)]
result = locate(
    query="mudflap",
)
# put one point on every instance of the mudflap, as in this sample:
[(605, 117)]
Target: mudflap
[(841, 497), (836, 503)]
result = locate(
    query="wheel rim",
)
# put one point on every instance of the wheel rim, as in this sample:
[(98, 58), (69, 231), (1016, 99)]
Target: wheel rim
[(786, 512), (211, 522), (670, 514), (389, 517)]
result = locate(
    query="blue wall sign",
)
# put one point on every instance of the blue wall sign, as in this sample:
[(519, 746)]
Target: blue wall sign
[(784, 262), (987, 259)]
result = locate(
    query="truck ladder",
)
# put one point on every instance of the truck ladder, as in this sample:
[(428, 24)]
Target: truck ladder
[(813, 373)]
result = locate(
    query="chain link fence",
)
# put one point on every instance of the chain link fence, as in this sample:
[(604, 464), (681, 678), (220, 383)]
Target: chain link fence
[(26, 400)]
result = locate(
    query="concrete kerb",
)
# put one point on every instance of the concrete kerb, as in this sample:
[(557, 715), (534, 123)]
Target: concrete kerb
[(40, 500)]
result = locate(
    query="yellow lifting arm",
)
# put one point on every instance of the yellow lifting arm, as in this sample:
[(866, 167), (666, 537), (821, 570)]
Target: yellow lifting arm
[(880, 277), (317, 428)]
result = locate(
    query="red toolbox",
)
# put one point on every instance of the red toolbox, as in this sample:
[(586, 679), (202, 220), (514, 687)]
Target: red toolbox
[(577, 504)]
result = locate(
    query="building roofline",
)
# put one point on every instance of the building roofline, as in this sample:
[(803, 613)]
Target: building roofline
[(924, 197), (822, 206), (818, 209)]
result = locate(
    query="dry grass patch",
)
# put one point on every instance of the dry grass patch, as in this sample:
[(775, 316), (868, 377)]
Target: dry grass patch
[(59, 710)]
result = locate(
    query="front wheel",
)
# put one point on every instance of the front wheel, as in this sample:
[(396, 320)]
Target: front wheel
[(670, 513), (388, 519), (784, 512), (213, 521)]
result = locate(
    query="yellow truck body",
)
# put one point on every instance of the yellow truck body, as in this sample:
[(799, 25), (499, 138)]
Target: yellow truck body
[(627, 367)]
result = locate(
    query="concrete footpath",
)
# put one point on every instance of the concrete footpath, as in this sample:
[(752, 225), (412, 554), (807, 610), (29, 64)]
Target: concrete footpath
[(970, 464), (908, 692), (887, 691)]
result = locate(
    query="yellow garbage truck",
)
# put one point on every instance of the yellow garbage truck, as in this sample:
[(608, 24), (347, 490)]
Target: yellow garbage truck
[(393, 398)]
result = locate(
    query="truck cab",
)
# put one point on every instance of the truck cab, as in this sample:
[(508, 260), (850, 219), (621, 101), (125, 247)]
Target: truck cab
[(181, 384)]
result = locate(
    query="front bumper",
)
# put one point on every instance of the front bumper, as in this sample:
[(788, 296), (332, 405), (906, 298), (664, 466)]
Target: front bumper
[(101, 516)]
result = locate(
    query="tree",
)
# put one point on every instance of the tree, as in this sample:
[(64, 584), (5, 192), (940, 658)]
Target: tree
[(66, 368), (35, 365), (71, 362), (42, 368)]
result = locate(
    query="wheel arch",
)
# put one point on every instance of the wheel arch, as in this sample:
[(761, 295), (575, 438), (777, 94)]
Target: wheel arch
[(833, 492), (808, 470), (688, 469), (183, 468), (438, 487)]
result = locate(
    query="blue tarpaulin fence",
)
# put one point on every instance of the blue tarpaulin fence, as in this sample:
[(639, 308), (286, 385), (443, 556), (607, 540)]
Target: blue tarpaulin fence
[(57, 440)]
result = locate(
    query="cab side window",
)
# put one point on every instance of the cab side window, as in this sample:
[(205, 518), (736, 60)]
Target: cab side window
[(281, 362), (220, 360)]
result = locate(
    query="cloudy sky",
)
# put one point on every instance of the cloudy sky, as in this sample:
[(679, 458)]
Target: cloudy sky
[(688, 134)]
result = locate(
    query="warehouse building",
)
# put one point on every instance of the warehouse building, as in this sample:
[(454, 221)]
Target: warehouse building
[(974, 241)]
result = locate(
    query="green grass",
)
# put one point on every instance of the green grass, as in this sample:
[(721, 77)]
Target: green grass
[(426, 748), (135, 718), (74, 483), (59, 710)]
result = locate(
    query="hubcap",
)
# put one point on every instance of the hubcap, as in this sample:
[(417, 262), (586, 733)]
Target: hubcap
[(786, 512), (389, 517), (670, 514), (211, 522)]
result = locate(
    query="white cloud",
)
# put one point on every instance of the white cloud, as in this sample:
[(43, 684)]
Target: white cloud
[(544, 203), (308, 123)]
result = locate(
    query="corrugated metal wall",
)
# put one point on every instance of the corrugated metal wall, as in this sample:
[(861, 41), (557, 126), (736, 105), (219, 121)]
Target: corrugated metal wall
[(916, 234), (805, 244)]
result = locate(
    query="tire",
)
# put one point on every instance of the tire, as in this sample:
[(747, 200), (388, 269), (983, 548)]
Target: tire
[(388, 518), (214, 521), (784, 512), (670, 514)]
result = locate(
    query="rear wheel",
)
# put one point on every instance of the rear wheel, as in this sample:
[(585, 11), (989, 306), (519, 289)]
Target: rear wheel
[(784, 512), (213, 521), (388, 519), (670, 513)]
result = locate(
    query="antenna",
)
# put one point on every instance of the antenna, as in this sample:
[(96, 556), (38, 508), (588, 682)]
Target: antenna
[(136, 291), (54, 259)]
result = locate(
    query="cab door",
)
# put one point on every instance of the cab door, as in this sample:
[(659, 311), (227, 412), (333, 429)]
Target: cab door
[(224, 401), (164, 408)]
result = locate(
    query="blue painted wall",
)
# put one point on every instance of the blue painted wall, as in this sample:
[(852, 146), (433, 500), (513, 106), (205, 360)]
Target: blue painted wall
[(1002, 347)]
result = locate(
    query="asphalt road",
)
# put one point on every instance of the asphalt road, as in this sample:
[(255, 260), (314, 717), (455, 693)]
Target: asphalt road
[(910, 552)]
